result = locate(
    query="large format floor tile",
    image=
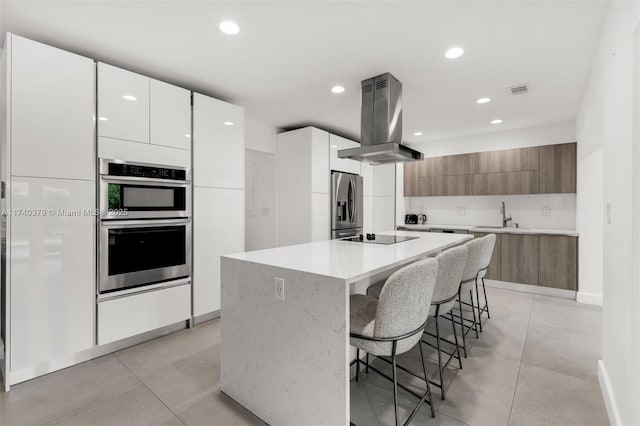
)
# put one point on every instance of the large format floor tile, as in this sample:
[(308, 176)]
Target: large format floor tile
[(66, 392), (533, 364), (546, 397)]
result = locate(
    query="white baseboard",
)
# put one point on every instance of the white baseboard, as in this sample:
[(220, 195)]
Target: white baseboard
[(527, 288), (607, 395), (589, 298)]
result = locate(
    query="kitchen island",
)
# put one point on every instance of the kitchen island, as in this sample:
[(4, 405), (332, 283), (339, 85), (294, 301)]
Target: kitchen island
[(285, 349)]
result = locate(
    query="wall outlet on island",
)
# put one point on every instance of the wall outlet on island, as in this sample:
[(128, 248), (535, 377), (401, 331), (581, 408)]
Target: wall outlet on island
[(546, 211), (460, 211), (279, 288)]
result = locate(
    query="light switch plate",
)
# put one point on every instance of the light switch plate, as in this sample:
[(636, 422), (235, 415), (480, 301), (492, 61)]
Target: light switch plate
[(608, 212), (279, 288)]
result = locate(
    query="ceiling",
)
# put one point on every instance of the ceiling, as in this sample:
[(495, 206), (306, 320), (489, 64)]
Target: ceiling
[(288, 55)]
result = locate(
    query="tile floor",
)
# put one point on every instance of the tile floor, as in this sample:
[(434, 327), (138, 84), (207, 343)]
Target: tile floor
[(534, 364)]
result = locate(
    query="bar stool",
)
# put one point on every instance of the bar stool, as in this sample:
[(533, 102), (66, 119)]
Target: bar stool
[(488, 244), (451, 265), (393, 324)]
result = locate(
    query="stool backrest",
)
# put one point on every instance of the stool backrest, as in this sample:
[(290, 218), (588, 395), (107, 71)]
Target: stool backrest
[(475, 250), (451, 265), (488, 243), (404, 302)]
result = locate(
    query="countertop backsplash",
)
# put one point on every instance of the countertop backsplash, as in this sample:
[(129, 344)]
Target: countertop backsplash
[(552, 211)]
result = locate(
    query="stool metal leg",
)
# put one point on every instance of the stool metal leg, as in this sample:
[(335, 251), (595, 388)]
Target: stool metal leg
[(395, 381), (464, 339), (357, 364), (455, 336), (366, 368), (486, 301), (439, 354), (475, 323), (426, 379), (478, 305)]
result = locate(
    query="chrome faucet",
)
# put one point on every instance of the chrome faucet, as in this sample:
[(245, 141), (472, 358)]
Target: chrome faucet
[(505, 219)]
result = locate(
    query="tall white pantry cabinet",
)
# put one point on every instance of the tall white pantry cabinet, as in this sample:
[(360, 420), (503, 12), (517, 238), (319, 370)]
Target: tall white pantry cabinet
[(48, 163), (218, 195)]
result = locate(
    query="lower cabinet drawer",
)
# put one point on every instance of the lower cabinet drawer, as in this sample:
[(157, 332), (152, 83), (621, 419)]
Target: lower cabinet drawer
[(136, 314)]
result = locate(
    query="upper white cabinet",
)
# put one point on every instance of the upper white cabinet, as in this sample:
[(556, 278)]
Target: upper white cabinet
[(170, 115), (336, 144), (123, 104), (218, 143), (52, 106), (384, 180)]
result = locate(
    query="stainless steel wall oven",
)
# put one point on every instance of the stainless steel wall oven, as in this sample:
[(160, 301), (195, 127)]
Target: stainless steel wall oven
[(145, 225)]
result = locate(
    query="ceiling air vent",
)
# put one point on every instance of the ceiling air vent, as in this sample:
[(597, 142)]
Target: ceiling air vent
[(520, 89)]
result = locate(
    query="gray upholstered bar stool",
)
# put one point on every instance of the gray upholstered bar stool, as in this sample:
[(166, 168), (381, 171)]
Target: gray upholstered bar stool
[(394, 323), (451, 265), (488, 244), (472, 265)]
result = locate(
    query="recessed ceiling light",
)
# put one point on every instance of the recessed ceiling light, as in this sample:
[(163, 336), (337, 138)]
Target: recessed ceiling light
[(337, 89), (417, 134), (228, 123), (483, 100), (229, 27), (129, 98), (103, 119), (454, 52), (187, 135), (334, 146), (498, 121)]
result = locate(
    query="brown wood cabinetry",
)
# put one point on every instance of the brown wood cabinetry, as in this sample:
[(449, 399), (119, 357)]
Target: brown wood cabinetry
[(558, 168), (505, 183), (558, 262), (519, 258), (493, 273), (533, 170), (507, 160)]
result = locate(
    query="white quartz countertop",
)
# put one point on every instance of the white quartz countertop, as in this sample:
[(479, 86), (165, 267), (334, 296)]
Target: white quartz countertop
[(497, 230), (352, 261)]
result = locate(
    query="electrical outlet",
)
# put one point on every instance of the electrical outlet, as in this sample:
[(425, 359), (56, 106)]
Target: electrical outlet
[(265, 211), (279, 288), (460, 211), (609, 218), (546, 211)]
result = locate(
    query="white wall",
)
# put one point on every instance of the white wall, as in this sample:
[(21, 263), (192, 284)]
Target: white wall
[(260, 186), (607, 129)]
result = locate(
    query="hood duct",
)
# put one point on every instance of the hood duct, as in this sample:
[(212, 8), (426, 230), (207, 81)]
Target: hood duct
[(381, 124)]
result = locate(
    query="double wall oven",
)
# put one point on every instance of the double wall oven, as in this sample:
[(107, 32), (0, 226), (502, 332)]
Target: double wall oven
[(145, 225)]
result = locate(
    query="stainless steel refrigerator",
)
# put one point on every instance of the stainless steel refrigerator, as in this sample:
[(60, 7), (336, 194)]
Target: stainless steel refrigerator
[(346, 205)]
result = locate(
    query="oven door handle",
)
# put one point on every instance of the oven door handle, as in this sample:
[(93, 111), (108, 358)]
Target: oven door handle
[(145, 223), (129, 179)]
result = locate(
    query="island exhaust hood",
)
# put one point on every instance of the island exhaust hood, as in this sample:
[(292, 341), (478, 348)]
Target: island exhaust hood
[(381, 124)]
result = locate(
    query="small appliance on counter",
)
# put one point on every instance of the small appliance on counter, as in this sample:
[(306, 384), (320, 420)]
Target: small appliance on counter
[(415, 219)]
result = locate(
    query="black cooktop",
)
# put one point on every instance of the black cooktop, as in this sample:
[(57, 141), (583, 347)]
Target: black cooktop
[(378, 239)]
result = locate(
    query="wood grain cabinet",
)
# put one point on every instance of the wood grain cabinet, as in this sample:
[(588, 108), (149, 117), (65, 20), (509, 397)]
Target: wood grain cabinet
[(493, 273), (558, 168), (524, 182), (558, 262), (445, 185), (507, 160), (519, 258), (411, 179)]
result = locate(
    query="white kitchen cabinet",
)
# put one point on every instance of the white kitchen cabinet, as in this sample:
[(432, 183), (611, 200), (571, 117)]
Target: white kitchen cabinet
[(320, 217), (337, 143), (136, 314), (218, 229), (302, 181), (52, 260), (383, 214), (170, 115), (367, 179), (384, 180), (52, 107), (218, 143), (123, 104)]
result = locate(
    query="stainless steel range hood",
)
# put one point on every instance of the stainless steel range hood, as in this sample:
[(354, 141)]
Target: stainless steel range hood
[(381, 124)]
